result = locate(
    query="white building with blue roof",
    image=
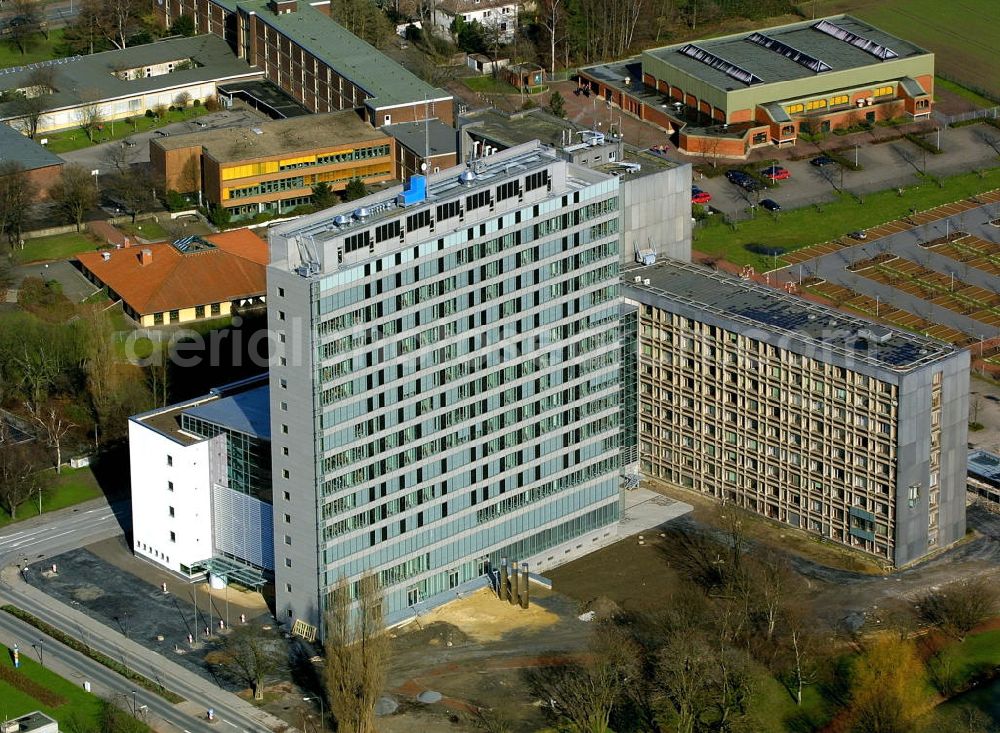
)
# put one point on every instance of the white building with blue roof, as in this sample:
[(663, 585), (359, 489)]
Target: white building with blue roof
[(201, 485)]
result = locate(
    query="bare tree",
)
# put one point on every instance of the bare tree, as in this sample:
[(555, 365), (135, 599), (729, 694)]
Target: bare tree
[(682, 675), (357, 653), (119, 157), (74, 194), (24, 22), (550, 17), (90, 116), (55, 427), (119, 19), (134, 190), (17, 193), (249, 656), (960, 607), (39, 369), (585, 693), (28, 113), (18, 473)]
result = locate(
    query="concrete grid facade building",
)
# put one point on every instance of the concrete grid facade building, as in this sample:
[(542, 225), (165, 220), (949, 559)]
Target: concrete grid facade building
[(823, 421), (446, 386)]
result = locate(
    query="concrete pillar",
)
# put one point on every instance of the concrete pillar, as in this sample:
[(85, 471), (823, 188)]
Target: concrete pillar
[(502, 590), (527, 584), (515, 597)]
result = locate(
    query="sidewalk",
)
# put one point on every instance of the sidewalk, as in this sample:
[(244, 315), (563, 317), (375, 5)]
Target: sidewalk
[(198, 691)]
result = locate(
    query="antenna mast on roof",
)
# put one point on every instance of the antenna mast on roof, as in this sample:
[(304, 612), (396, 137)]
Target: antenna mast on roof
[(427, 135)]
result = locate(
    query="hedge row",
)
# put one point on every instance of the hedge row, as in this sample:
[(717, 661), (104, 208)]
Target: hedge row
[(99, 657), (920, 142)]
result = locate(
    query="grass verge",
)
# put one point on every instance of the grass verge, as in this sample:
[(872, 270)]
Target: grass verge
[(73, 486), (149, 229), (967, 94), (93, 654), (798, 228), (63, 701)]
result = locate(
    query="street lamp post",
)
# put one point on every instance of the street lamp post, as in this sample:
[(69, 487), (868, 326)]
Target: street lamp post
[(41, 642), (322, 716), (134, 708), (855, 155)]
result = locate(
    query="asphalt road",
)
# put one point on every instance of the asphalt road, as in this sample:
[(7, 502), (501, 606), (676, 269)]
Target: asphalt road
[(31, 543)]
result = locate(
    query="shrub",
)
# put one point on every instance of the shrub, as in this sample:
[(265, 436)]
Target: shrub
[(920, 142), (174, 201), (212, 104), (150, 114), (768, 250)]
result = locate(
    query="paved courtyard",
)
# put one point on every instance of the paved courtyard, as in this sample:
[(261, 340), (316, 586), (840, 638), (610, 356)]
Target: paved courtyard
[(136, 607)]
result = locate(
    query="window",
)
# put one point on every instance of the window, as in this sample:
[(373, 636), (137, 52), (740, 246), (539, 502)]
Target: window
[(288, 519), (387, 120), (839, 99), (448, 210), (794, 108), (536, 180), (170, 460), (175, 316), (288, 562), (173, 536), (286, 496), (284, 473), (418, 221), (815, 104), (157, 319), (477, 200), (386, 231), (171, 510), (356, 241), (284, 407), (170, 485), (283, 383), (281, 292), (508, 190), (288, 587), (284, 429), (281, 315), (883, 91), (216, 309), (284, 450), (288, 539), (199, 311)]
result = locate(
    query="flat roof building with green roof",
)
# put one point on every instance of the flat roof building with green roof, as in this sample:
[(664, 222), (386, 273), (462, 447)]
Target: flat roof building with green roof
[(729, 94), (316, 60)]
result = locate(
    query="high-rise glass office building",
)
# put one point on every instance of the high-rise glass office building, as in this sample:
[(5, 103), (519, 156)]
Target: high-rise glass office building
[(445, 387)]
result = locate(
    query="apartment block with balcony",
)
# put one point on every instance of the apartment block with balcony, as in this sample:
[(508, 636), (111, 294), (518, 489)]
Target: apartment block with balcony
[(825, 422)]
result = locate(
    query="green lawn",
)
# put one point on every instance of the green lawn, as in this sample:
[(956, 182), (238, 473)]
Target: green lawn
[(40, 49), (798, 228), (488, 85), (977, 99), (72, 486), (69, 140), (14, 702), (56, 247), (976, 653), (774, 710), (149, 229)]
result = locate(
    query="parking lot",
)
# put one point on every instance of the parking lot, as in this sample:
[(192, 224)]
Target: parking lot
[(884, 165)]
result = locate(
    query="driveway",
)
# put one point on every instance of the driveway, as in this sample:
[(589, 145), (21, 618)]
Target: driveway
[(885, 165), (95, 157)]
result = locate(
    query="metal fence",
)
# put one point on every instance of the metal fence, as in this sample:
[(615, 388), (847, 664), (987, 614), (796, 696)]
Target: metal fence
[(976, 114)]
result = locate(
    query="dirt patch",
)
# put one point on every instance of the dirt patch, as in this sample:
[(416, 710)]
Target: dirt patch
[(87, 593), (482, 617)]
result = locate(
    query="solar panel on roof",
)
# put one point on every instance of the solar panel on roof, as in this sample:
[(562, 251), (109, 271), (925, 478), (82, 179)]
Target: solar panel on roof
[(716, 62), (800, 57), (875, 49)]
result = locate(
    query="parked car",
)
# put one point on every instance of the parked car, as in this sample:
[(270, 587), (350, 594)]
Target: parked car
[(700, 197), (822, 160), (162, 133), (776, 173), (858, 235), (199, 123), (128, 143), (770, 205), (735, 176)]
